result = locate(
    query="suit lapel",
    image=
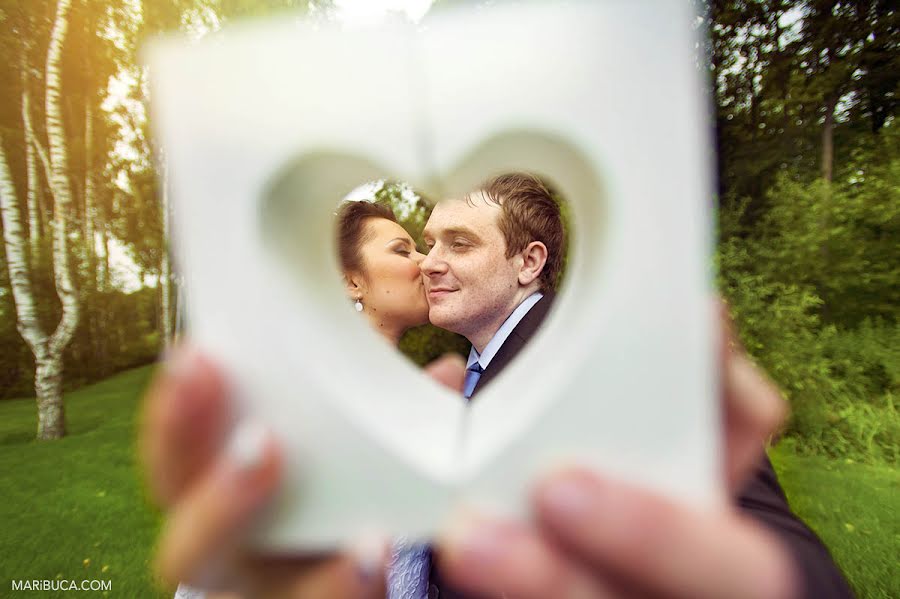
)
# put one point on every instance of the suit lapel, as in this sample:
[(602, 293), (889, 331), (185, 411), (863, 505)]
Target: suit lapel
[(517, 339)]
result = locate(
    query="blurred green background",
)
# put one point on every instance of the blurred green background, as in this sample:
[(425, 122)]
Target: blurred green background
[(808, 256)]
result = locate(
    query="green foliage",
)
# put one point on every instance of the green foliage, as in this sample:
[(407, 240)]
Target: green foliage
[(427, 342), (814, 288), (865, 423), (840, 239), (409, 206), (809, 175), (129, 338)]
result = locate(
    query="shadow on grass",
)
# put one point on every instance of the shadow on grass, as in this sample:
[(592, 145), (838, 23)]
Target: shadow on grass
[(17, 438)]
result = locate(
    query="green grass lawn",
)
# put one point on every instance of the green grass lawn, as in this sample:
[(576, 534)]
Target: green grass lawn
[(75, 508), (855, 509)]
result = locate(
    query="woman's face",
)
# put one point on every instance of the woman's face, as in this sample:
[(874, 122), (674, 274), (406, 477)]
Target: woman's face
[(394, 293)]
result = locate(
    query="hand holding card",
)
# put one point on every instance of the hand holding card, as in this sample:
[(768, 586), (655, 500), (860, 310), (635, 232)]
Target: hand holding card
[(619, 376)]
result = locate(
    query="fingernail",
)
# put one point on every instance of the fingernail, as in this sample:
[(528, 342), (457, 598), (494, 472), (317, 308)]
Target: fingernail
[(369, 553), (247, 445)]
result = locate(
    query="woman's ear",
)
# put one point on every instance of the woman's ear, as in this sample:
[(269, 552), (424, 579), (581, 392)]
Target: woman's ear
[(355, 285), (534, 257)]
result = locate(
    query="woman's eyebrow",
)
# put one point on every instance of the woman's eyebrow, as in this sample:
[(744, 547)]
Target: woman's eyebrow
[(403, 240)]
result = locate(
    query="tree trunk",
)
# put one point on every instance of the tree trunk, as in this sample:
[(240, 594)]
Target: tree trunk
[(89, 201), (102, 278), (828, 138), (62, 196), (103, 270), (48, 368), (19, 273), (48, 371), (93, 318), (31, 199), (827, 174)]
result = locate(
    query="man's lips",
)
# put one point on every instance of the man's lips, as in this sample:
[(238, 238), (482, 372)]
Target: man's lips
[(440, 291)]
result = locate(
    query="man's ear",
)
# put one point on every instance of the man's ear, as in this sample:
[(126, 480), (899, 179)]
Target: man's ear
[(355, 285), (534, 257)]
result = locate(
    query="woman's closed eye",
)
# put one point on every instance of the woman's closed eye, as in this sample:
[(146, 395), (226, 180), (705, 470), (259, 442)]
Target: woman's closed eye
[(401, 246)]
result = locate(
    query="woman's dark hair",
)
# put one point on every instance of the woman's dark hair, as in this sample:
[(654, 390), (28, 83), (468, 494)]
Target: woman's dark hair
[(352, 234)]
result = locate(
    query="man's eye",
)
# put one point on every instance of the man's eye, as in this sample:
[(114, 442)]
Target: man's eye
[(459, 245)]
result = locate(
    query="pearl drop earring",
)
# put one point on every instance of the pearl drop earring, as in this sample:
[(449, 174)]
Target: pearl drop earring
[(358, 304)]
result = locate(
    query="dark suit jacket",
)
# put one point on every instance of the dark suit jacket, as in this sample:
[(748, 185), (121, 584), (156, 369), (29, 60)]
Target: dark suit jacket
[(763, 498)]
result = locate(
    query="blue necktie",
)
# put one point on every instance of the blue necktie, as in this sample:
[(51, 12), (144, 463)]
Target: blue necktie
[(473, 373), (408, 572)]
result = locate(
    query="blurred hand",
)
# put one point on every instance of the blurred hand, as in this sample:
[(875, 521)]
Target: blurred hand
[(213, 478), (596, 537)]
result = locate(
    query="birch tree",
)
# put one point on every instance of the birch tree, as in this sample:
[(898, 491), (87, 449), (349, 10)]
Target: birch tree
[(33, 186), (46, 349), (27, 321)]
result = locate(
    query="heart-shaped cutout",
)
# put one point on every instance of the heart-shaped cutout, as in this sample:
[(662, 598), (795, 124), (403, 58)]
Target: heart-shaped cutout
[(294, 222), (625, 357)]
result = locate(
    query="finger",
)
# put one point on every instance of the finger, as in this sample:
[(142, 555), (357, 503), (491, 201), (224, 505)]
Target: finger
[(754, 411), (352, 575), (207, 523), (185, 418), (753, 406), (491, 558), (449, 370), (664, 547), (358, 573)]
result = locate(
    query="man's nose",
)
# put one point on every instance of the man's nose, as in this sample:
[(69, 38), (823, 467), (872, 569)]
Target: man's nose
[(432, 265)]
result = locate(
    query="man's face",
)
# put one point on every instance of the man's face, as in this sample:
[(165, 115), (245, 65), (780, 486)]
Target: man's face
[(470, 284)]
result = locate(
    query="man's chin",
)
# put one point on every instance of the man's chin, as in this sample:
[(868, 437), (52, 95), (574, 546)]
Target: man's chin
[(440, 317)]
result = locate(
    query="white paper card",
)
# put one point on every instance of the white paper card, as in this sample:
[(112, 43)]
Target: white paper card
[(621, 375)]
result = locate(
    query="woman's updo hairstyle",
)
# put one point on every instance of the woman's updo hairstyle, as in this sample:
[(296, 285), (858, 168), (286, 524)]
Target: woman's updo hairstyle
[(352, 233)]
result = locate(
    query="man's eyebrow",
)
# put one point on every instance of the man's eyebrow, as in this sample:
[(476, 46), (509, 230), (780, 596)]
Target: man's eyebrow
[(464, 231), (450, 232)]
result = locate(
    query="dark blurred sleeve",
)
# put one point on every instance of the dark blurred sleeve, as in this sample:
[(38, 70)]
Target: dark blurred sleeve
[(764, 500)]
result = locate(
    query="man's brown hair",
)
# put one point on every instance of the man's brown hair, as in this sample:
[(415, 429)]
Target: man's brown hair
[(529, 213)]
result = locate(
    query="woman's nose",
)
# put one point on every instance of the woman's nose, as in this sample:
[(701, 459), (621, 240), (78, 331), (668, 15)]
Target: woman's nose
[(417, 257)]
